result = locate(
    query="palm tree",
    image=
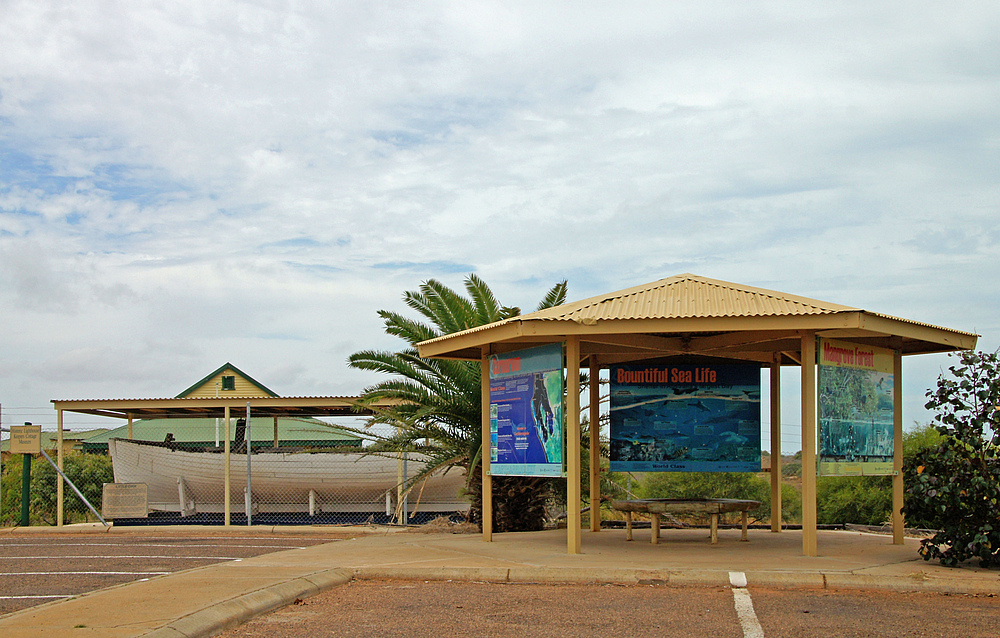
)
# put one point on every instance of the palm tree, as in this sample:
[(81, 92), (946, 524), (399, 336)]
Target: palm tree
[(439, 414)]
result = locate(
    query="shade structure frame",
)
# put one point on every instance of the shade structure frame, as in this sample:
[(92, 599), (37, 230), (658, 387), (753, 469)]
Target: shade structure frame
[(691, 318)]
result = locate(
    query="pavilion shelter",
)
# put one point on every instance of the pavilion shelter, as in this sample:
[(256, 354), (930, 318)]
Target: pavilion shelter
[(224, 394), (690, 318)]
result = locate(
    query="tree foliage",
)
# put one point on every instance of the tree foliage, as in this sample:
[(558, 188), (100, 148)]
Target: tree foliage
[(867, 500), (863, 500), (89, 472), (955, 486), (438, 412)]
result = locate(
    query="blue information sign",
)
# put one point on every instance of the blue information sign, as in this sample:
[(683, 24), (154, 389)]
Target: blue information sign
[(685, 418), (526, 412)]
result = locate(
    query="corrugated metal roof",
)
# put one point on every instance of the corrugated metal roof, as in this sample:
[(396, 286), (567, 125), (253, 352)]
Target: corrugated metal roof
[(202, 407), (921, 323), (687, 296)]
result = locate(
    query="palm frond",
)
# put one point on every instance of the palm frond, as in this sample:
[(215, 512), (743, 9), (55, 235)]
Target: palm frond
[(554, 297), (436, 403), (485, 302), (413, 332)]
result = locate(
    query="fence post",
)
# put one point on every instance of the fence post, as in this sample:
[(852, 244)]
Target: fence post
[(25, 489)]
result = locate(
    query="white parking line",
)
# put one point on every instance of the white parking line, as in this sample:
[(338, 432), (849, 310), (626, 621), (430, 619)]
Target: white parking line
[(120, 556), (145, 545), (744, 606), (84, 573)]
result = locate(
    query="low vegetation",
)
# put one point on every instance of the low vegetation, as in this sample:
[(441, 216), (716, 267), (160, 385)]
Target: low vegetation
[(954, 486), (89, 472), (739, 485)]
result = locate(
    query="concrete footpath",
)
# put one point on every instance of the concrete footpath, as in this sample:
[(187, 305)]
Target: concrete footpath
[(207, 600)]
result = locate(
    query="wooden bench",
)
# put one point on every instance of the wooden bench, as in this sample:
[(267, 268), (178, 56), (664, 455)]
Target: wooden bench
[(657, 506)]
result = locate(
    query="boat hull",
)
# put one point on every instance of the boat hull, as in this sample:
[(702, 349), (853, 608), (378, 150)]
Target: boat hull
[(190, 482)]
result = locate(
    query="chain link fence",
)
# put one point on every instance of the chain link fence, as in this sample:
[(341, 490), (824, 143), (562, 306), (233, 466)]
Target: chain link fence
[(298, 471)]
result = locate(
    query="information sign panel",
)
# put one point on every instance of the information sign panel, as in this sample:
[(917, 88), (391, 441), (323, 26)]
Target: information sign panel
[(526, 412), (685, 418), (856, 386), (25, 439), (124, 500)]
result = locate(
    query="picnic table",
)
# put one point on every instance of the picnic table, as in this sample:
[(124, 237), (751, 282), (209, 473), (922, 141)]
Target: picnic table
[(701, 506)]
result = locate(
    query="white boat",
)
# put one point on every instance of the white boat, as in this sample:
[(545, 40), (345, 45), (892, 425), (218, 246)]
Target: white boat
[(190, 482)]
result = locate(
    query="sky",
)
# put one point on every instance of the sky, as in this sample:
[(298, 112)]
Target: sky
[(184, 184)]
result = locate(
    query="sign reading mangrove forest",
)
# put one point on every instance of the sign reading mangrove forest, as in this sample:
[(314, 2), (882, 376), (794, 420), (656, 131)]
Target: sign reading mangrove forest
[(856, 386)]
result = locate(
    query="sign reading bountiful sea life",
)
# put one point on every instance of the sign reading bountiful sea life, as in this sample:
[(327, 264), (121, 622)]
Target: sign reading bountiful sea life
[(526, 412), (856, 386), (685, 418)]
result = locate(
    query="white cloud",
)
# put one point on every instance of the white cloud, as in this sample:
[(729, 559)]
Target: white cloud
[(183, 184)]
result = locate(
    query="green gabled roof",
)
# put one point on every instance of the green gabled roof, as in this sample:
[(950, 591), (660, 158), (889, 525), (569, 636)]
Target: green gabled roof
[(220, 370), (291, 431)]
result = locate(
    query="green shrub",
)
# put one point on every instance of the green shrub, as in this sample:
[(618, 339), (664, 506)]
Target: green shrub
[(865, 500), (10, 492), (955, 487), (89, 472), (791, 504), (791, 469), (739, 485), (920, 438)]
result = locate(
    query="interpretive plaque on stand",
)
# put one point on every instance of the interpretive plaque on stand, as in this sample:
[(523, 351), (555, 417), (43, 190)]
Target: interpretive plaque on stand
[(124, 500)]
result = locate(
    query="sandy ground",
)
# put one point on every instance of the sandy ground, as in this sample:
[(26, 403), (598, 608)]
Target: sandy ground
[(386, 608)]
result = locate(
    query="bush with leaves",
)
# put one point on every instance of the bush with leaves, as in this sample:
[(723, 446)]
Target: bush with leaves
[(864, 500), (955, 486), (867, 500), (89, 472), (10, 492)]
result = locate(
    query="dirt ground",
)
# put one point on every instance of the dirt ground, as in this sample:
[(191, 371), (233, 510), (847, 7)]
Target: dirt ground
[(391, 609), (410, 609)]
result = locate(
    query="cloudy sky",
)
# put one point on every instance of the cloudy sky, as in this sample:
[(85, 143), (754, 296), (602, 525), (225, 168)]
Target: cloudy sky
[(187, 183)]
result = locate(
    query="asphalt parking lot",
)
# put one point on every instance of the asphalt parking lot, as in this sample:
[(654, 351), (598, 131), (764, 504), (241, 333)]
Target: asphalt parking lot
[(39, 569)]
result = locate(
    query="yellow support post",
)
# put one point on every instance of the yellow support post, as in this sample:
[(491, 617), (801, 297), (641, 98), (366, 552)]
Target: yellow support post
[(59, 462), (809, 444), (225, 473), (898, 524), (595, 445), (776, 443), (573, 500), (487, 494)]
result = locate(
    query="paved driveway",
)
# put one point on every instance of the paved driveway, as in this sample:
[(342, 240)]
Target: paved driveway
[(38, 569)]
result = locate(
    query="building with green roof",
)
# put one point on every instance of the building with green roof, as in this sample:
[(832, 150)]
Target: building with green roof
[(197, 433), (285, 433)]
